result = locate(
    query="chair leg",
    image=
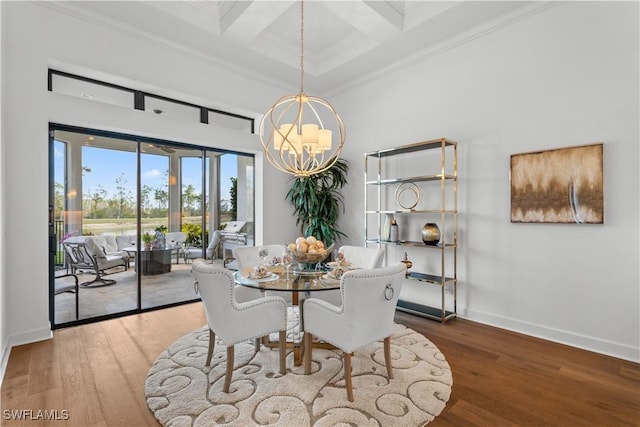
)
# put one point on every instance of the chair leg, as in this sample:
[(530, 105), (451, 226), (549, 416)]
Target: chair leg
[(256, 344), (387, 356), (227, 376), (100, 280), (212, 342), (283, 352), (308, 340), (347, 375)]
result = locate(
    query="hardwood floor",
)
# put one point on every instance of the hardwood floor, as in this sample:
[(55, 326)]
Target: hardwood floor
[(96, 372)]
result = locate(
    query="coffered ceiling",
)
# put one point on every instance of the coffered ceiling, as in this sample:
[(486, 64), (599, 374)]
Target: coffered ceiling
[(345, 42)]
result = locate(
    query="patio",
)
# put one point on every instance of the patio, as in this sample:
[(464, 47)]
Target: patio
[(157, 290)]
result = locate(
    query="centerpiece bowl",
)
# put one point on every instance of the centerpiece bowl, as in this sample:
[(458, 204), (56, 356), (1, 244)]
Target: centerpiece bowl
[(305, 257)]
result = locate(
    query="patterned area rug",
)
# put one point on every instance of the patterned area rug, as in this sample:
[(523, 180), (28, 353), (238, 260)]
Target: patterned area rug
[(180, 391)]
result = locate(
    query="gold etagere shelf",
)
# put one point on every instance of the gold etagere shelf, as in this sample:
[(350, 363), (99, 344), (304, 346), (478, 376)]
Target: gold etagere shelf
[(448, 216)]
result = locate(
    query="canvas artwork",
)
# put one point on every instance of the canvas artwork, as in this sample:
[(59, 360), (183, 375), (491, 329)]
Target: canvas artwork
[(564, 185)]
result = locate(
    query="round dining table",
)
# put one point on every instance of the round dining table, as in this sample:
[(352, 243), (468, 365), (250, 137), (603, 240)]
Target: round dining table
[(301, 284)]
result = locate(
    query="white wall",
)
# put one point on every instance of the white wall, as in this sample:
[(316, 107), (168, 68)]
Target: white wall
[(565, 76), (59, 40), (4, 344)]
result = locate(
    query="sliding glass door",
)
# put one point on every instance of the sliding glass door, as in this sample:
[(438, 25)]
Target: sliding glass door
[(171, 193), (138, 206)]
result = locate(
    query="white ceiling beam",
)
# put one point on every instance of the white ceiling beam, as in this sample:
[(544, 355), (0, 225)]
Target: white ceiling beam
[(200, 14), (377, 20), (389, 11), (419, 12), (230, 11), (247, 20)]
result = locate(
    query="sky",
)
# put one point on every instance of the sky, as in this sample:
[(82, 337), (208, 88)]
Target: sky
[(107, 165)]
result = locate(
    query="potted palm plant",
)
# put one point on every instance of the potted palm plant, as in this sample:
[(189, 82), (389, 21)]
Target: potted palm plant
[(317, 202)]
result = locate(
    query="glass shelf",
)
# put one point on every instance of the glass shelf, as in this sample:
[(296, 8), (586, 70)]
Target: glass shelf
[(411, 243), (419, 146), (431, 278), (415, 211), (421, 178)]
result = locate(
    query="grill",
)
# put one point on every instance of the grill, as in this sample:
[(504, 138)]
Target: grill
[(233, 233), (232, 237)]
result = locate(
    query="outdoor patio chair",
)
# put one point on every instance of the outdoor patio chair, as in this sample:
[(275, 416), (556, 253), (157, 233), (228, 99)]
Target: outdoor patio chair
[(210, 253), (176, 240), (82, 254), (62, 286)]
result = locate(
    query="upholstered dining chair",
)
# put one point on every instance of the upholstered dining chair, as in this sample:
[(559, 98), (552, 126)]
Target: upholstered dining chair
[(234, 321), (247, 256), (362, 257), (369, 299), (359, 257)]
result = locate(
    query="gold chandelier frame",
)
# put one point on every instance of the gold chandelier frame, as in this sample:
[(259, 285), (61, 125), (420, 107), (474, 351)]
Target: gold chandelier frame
[(299, 148)]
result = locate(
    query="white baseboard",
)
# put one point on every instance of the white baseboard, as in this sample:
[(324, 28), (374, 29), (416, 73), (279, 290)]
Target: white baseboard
[(19, 339), (609, 348), (28, 337)]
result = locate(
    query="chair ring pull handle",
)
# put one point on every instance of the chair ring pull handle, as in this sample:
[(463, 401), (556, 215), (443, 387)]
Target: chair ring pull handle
[(195, 286), (388, 292)]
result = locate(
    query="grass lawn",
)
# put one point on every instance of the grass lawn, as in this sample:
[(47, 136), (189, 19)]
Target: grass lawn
[(127, 225)]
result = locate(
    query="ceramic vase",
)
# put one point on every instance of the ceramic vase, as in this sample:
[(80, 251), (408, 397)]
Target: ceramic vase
[(386, 227), (430, 234)]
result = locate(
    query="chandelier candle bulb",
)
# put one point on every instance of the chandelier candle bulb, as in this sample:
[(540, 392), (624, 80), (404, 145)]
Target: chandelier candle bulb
[(324, 139), (277, 141), (310, 134)]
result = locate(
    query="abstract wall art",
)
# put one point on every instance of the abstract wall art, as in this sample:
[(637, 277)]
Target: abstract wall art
[(563, 185)]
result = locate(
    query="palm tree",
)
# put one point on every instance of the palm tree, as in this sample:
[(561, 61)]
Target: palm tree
[(317, 202)]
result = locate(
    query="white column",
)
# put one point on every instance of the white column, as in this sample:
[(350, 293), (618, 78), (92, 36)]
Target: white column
[(73, 188)]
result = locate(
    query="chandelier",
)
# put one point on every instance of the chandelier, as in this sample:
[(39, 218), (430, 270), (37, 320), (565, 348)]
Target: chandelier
[(297, 131)]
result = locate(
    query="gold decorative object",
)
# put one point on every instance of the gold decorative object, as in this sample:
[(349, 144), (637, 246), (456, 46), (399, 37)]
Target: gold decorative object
[(406, 262), (297, 136), (407, 195), (430, 234)]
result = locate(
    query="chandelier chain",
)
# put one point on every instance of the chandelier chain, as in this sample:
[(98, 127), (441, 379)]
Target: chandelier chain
[(301, 46)]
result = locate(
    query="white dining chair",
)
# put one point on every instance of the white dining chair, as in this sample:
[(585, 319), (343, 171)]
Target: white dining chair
[(248, 256), (369, 299), (234, 321), (362, 257), (359, 257)]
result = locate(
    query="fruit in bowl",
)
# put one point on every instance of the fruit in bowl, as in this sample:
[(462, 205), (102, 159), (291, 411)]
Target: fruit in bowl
[(308, 249)]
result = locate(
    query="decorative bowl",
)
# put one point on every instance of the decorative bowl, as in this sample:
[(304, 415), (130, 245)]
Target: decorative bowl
[(304, 257)]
